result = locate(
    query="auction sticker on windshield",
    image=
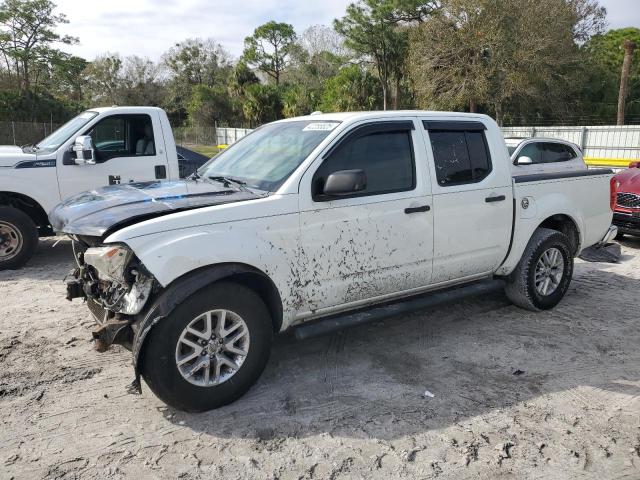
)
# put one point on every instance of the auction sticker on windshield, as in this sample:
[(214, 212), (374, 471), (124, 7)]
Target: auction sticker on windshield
[(320, 126)]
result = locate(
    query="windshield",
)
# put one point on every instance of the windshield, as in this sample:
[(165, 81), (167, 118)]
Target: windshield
[(64, 133), (266, 157)]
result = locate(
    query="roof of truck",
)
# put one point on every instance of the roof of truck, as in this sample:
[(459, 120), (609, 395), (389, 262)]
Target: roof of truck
[(342, 116)]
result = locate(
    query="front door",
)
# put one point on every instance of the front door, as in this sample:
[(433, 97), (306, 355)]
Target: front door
[(378, 241), (472, 201), (126, 150)]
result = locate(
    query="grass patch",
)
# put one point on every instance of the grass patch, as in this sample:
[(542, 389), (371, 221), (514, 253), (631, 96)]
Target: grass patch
[(206, 150)]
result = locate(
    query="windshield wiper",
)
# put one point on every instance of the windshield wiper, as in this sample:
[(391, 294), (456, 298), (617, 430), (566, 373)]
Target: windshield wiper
[(228, 181)]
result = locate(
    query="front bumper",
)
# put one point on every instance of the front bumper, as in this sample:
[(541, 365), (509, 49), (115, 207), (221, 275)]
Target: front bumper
[(628, 223)]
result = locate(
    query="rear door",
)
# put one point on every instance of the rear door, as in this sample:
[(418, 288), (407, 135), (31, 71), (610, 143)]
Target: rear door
[(128, 148), (472, 200), (379, 241)]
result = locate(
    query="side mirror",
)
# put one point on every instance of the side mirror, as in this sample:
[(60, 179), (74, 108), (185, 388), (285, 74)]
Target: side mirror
[(345, 182), (524, 160), (85, 154), (634, 165)]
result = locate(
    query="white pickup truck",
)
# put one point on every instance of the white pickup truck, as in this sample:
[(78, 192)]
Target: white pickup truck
[(312, 221), (102, 146)]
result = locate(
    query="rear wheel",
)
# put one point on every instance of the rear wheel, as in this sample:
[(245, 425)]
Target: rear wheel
[(544, 272), (210, 350), (18, 238)]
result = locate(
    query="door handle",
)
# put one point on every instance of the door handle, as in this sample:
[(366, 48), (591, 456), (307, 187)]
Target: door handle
[(498, 198), (423, 208)]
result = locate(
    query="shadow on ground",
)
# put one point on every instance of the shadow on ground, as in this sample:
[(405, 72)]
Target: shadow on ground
[(476, 356)]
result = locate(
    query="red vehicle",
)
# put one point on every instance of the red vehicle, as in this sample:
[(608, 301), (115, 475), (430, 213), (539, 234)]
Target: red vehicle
[(626, 215)]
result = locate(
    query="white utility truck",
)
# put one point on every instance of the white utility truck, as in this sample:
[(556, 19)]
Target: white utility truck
[(318, 222), (102, 146)]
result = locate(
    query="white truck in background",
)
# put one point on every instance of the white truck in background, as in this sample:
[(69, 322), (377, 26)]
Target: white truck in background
[(315, 222), (102, 146)]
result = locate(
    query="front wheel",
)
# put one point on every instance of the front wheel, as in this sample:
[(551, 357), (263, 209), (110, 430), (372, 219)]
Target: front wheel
[(210, 350), (544, 272), (18, 238)]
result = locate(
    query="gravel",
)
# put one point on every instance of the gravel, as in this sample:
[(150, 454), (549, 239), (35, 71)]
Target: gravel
[(348, 405)]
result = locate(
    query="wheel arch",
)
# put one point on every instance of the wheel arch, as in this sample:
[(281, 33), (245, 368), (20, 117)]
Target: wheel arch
[(183, 287), (29, 206), (564, 224)]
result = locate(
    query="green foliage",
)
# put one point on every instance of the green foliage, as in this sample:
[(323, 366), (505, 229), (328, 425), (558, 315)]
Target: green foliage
[(34, 107), (352, 89), (516, 59), (374, 30), (262, 103), (603, 56), (27, 36), (270, 48), (209, 105), (523, 61)]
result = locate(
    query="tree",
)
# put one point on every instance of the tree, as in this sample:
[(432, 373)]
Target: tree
[(270, 48), (27, 36), (629, 48), (209, 105), (198, 62), (142, 82), (67, 77), (603, 57), (352, 89), (318, 39), (372, 29), (513, 57), (104, 80), (262, 104), (190, 63)]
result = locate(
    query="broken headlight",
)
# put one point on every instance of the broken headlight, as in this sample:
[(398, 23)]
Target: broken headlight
[(123, 284), (109, 261)]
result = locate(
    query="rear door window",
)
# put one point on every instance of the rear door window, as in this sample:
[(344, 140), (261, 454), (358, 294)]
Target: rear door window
[(460, 156), (558, 152)]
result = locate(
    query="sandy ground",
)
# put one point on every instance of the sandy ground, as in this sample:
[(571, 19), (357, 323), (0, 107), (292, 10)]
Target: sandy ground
[(349, 405)]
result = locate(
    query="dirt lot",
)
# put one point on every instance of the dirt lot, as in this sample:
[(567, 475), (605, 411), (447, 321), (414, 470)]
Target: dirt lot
[(349, 405)]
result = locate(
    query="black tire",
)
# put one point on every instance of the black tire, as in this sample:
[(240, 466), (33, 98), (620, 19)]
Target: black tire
[(619, 235), (16, 227), (520, 286), (158, 363)]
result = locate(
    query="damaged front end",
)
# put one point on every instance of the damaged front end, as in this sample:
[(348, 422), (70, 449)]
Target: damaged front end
[(116, 286)]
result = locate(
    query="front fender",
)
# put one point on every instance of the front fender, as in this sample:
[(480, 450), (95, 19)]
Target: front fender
[(175, 294), (40, 185)]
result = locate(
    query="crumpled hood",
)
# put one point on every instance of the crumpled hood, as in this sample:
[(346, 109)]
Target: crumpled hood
[(629, 180), (11, 155), (96, 212)]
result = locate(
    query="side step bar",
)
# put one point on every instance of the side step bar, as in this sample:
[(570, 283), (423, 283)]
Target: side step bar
[(325, 325)]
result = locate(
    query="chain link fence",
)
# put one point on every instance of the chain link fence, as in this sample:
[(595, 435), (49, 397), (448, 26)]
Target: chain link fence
[(209, 136), (23, 133)]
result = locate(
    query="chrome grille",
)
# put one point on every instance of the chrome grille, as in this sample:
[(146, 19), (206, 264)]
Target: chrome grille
[(628, 200)]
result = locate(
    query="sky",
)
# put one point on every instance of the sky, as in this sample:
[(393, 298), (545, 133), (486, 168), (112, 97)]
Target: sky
[(149, 28)]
